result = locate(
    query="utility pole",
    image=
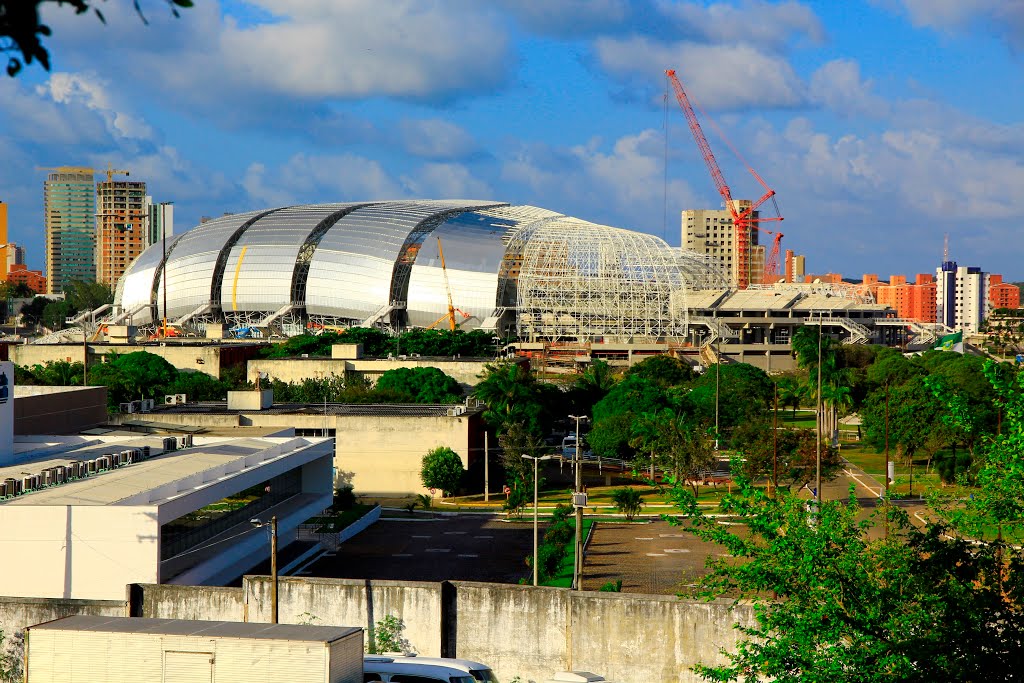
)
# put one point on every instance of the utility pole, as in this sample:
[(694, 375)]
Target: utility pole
[(775, 443), (817, 442), (578, 503), (487, 469)]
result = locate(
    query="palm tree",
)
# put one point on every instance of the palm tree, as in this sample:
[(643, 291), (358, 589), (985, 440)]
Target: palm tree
[(509, 390), (791, 392)]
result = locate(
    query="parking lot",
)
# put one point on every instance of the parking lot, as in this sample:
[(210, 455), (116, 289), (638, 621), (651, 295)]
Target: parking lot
[(464, 548), (653, 557)]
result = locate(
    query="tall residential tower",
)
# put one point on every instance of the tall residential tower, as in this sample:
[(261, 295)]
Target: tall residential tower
[(711, 232), (121, 227), (69, 205)]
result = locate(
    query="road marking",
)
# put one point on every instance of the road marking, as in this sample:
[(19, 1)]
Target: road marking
[(438, 550), (427, 536), (469, 555), (643, 538), (330, 554), (656, 555), (483, 537), (677, 550), (853, 476), (454, 533), (401, 555), (672, 535)]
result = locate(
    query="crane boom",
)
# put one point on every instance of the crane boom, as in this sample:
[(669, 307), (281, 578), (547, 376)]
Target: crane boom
[(743, 221), (447, 287)]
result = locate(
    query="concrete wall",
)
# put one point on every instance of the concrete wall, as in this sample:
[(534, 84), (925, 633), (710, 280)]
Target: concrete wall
[(466, 372), (212, 603), (18, 613), (200, 357), (382, 455), (58, 410), (85, 551), (519, 630), (352, 603)]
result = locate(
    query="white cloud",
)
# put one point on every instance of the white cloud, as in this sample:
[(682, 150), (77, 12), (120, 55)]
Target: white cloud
[(838, 86), (718, 76), (320, 178), (93, 92), (626, 182), (1005, 18), (447, 181), (436, 139), (771, 25)]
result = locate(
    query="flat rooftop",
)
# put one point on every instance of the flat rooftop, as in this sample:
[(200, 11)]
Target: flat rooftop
[(157, 480), (205, 629), (383, 409)]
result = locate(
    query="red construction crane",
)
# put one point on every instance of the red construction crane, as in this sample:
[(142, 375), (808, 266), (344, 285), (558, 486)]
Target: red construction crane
[(744, 220)]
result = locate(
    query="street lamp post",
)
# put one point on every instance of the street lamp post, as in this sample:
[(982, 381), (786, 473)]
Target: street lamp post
[(535, 485), (256, 522), (577, 569), (817, 441)]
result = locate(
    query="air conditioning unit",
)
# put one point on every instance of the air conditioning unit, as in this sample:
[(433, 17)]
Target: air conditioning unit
[(147, 405), (136, 406), (188, 440), (170, 399), (145, 452), (170, 443), (126, 407), (180, 398), (182, 443)]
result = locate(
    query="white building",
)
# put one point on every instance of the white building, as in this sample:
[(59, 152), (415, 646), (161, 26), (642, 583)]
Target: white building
[(961, 296), (75, 534)]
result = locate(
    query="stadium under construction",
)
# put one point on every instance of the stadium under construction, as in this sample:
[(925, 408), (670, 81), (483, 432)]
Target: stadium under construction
[(523, 272)]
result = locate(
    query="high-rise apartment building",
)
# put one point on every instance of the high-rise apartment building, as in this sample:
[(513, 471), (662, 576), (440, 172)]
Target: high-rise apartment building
[(159, 220), (1003, 294), (961, 296), (5, 252), (121, 227), (69, 205), (15, 256), (711, 232)]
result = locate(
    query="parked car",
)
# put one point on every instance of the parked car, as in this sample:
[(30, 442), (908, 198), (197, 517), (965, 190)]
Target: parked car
[(412, 669)]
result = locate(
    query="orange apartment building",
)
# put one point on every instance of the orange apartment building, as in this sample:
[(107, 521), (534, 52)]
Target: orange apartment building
[(18, 273), (1003, 294), (121, 217), (914, 301)]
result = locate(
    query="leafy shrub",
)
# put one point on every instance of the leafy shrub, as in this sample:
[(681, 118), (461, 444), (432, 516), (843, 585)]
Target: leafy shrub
[(628, 501)]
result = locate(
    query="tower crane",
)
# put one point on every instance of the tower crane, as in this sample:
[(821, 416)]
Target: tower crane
[(450, 315), (110, 171), (743, 220)]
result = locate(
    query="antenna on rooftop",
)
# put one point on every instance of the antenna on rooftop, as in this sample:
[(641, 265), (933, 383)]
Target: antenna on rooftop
[(945, 248)]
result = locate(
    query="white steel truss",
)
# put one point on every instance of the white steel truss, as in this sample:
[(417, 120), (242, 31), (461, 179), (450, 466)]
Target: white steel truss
[(582, 281)]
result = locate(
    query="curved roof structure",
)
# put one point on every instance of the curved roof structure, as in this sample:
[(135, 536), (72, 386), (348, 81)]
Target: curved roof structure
[(296, 267)]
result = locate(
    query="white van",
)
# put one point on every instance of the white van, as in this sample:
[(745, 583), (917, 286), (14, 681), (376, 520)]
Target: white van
[(402, 669)]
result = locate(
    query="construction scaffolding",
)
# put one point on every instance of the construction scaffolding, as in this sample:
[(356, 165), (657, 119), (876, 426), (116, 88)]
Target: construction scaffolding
[(580, 281)]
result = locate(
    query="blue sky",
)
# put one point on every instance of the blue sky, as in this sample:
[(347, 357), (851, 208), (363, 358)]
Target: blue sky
[(882, 124)]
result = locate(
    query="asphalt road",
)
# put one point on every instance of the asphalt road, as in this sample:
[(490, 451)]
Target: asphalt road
[(463, 548)]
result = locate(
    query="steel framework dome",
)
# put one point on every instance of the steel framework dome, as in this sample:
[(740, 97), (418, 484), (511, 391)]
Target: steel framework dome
[(509, 268)]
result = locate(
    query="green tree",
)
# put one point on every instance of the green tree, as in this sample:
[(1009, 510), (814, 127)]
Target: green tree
[(792, 451), (421, 385), (59, 373), (593, 385), (55, 313), (614, 415), (676, 443), (198, 386), (32, 312), (664, 370), (745, 393), (512, 395), (517, 441), (834, 602), (628, 501), (84, 295), (792, 392), (442, 469)]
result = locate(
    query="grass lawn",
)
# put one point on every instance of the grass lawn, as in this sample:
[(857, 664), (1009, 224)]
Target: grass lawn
[(872, 461), (563, 579)]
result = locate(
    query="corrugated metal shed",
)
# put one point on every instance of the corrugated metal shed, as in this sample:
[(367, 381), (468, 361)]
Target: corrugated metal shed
[(206, 629), (85, 649)]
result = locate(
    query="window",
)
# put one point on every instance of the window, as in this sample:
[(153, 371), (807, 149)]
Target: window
[(410, 678)]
